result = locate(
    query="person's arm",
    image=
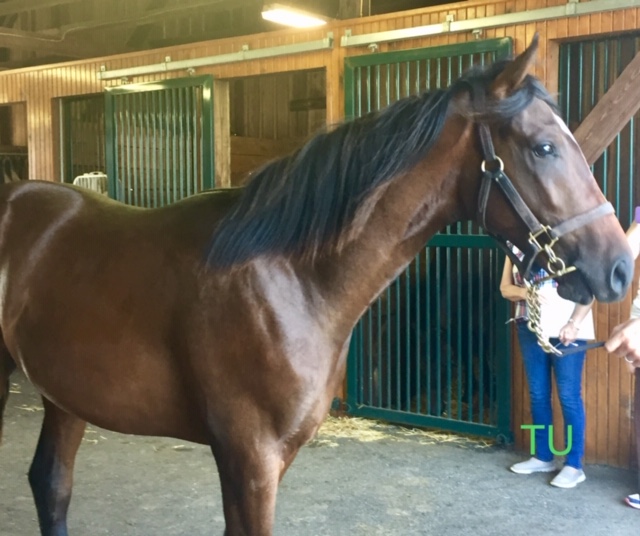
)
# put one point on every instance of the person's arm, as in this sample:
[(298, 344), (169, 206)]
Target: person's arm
[(569, 332), (508, 289), (625, 341)]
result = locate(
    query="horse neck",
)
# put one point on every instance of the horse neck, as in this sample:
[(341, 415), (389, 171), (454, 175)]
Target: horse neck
[(410, 209)]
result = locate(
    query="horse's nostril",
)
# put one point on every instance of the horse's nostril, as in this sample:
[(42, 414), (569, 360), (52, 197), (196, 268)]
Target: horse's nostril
[(621, 277)]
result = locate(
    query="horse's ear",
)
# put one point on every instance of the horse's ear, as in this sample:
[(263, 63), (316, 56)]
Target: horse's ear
[(515, 72)]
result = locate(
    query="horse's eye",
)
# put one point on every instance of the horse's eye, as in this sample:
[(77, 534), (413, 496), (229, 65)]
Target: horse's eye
[(544, 149)]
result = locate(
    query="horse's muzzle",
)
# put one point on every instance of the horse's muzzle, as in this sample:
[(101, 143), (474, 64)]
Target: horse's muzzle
[(620, 278)]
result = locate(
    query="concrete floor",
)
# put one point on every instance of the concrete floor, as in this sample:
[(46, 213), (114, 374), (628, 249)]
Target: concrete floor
[(387, 482)]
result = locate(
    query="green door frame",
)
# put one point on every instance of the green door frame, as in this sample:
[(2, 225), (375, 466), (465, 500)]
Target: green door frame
[(375, 65)]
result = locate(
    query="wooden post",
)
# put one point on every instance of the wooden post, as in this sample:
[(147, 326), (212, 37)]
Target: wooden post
[(222, 133), (611, 113)]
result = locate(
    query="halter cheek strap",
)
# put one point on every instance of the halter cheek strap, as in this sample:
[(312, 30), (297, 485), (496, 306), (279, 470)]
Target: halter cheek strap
[(541, 237)]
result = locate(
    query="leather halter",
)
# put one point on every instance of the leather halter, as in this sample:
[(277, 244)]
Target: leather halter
[(541, 237)]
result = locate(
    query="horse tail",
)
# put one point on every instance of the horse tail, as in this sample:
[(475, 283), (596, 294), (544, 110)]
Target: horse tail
[(7, 366)]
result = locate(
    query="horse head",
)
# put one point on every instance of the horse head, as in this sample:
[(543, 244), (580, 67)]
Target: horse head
[(537, 189)]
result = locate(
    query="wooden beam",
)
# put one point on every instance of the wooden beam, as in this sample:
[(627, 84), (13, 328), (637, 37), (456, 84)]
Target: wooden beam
[(39, 42), (222, 133), (20, 6), (182, 10), (612, 112)]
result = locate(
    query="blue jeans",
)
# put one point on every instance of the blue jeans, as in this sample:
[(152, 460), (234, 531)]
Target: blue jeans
[(568, 373)]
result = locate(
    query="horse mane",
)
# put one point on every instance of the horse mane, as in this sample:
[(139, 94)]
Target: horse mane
[(318, 197)]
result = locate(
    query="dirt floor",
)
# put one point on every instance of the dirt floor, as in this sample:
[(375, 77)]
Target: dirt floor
[(357, 478)]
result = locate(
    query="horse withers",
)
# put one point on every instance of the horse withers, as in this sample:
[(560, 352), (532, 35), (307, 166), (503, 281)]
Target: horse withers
[(224, 319)]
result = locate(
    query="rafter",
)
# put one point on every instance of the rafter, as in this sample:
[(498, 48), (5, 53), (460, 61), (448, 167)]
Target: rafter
[(69, 47), (20, 6), (181, 10)]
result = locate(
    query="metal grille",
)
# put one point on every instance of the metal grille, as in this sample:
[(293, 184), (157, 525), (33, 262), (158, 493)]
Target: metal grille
[(587, 71), (160, 141), (433, 350), (82, 136)]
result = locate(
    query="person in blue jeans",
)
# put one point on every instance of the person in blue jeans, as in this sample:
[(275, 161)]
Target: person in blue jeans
[(538, 366)]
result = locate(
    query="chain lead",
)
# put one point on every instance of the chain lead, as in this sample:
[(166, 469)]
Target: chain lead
[(534, 311)]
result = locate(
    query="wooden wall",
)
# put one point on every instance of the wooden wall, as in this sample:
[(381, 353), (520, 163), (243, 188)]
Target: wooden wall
[(271, 115), (608, 389)]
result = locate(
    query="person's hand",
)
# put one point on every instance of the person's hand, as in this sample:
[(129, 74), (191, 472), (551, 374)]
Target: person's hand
[(568, 333), (625, 342)]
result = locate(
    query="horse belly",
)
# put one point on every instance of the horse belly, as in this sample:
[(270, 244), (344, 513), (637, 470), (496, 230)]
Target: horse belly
[(140, 395)]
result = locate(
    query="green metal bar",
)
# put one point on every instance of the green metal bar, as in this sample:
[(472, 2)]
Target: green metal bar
[(449, 355), (162, 146), (411, 419), (397, 81), (407, 332), (458, 328), (388, 85), (349, 91), (111, 136), (196, 172), (407, 79), (377, 87), (354, 371), (465, 241), (359, 98), (379, 352), (191, 112), (438, 352), (182, 110), (154, 146), (470, 338), (418, 355), (147, 145), (207, 153), (393, 355), (398, 339), (174, 146), (125, 102), (369, 103), (481, 343), (428, 323), (167, 150), (140, 140)]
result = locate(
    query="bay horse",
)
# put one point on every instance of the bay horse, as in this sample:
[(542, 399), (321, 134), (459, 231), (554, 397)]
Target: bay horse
[(224, 319)]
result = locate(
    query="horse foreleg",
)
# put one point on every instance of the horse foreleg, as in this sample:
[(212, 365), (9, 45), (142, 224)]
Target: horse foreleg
[(51, 472), (249, 480), (7, 366)]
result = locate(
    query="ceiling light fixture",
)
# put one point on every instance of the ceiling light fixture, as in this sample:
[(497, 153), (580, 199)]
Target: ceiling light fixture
[(290, 16)]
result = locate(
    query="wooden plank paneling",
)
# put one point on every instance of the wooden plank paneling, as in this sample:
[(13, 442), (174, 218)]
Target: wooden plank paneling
[(222, 133)]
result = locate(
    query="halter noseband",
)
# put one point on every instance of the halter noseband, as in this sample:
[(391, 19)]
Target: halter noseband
[(541, 237)]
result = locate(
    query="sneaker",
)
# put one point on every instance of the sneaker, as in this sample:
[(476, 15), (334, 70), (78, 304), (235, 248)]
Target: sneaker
[(569, 477), (533, 465), (633, 500)]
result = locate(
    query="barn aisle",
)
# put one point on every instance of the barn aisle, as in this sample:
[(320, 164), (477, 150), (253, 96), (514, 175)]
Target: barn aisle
[(354, 479)]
